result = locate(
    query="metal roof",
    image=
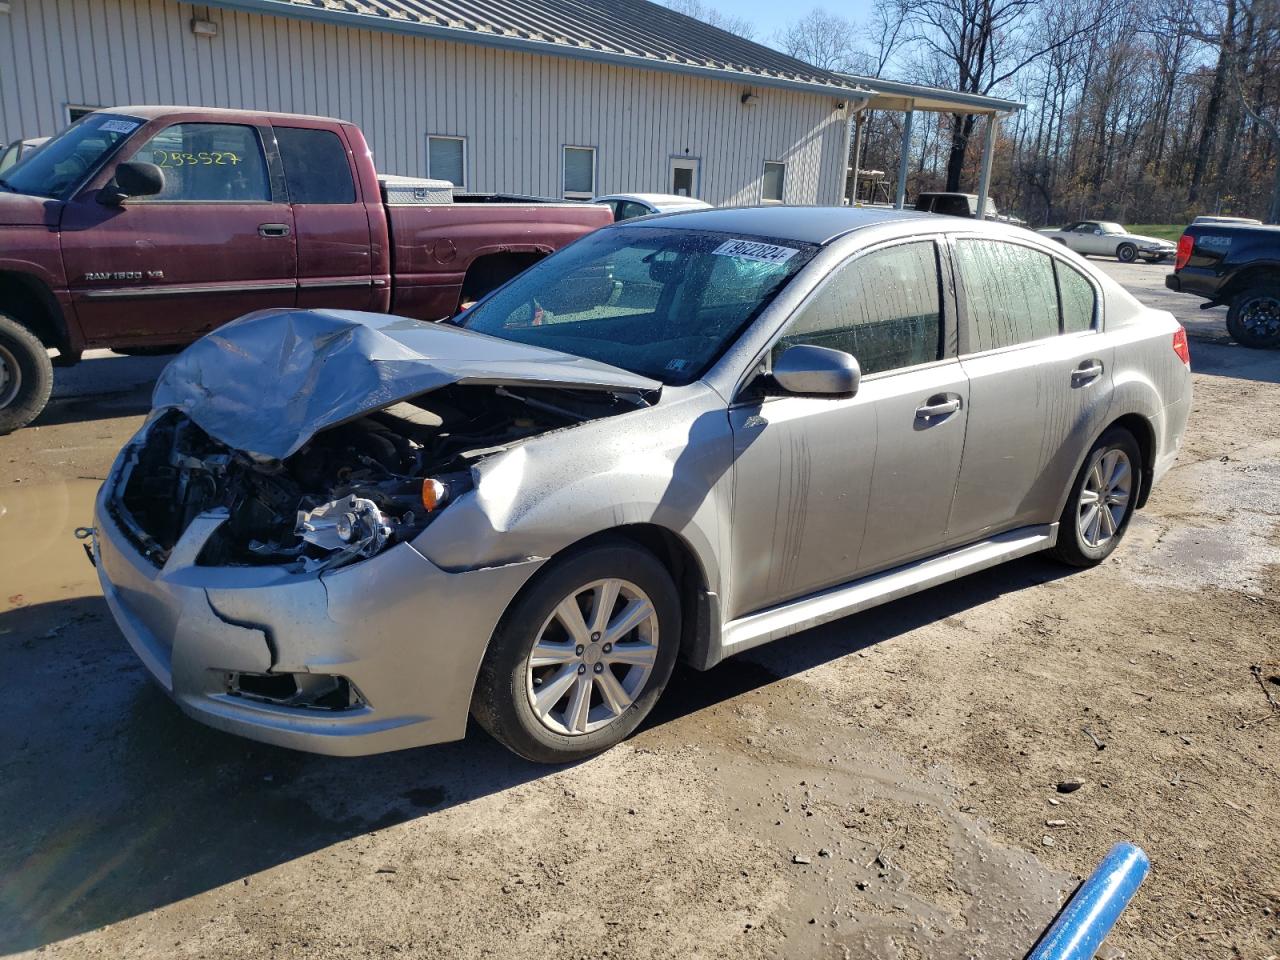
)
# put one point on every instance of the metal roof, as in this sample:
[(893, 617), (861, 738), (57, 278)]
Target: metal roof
[(895, 95), (631, 32)]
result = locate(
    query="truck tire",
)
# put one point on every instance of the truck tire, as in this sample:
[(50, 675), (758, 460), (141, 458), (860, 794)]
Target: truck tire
[(26, 375), (1253, 319), (1126, 253)]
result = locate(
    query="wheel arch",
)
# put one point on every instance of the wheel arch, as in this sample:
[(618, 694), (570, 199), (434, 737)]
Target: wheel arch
[(33, 304), (1144, 432), (491, 269), (1249, 277)]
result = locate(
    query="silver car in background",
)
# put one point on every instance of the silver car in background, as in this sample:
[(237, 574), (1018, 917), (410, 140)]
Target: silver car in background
[(680, 437)]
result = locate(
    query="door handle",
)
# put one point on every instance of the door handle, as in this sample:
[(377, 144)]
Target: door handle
[(273, 229), (1087, 372), (939, 406)]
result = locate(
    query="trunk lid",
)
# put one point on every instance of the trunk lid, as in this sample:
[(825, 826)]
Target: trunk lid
[(268, 382)]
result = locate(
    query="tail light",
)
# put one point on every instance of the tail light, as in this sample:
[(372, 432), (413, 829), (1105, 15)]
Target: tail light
[(1185, 245), (1180, 346)]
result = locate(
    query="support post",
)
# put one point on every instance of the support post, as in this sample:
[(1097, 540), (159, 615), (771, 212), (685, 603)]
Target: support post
[(905, 161), (988, 148), (857, 156)]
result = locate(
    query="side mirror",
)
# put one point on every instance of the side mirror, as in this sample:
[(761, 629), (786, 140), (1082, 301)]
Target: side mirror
[(817, 371), (133, 179)]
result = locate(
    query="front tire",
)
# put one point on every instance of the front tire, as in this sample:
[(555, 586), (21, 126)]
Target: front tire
[(26, 375), (582, 655), (1126, 253), (1254, 317), (1101, 502)]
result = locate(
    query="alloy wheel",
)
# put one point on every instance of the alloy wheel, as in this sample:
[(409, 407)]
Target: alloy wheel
[(1104, 498), (10, 376), (592, 657), (1261, 317)]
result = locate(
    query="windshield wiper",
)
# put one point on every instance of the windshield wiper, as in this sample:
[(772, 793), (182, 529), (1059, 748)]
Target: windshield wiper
[(5, 185)]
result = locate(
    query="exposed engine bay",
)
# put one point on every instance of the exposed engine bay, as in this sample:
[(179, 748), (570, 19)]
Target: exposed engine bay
[(349, 492)]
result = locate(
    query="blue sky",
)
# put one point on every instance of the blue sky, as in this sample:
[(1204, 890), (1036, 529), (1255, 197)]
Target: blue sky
[(770, 16)]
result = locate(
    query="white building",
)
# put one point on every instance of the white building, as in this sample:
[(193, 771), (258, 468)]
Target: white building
[(566, 98)]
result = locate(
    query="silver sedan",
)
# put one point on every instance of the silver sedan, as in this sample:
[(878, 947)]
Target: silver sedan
[(679, 437)]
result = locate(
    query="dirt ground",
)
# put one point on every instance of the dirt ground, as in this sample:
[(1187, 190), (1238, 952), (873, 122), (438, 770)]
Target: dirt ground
[(882, 787)]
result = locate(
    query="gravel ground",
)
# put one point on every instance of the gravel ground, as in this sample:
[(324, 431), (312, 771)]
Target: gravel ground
[(881, 787)]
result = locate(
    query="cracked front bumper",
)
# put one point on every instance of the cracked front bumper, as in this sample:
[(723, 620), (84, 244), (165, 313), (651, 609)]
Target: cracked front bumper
[(408, 635)]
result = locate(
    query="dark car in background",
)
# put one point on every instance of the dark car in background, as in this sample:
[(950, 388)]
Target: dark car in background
[(1236, 265)]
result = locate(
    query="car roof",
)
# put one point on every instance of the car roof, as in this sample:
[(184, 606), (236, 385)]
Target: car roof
[(152, 111), (818, 225), (667, 199)]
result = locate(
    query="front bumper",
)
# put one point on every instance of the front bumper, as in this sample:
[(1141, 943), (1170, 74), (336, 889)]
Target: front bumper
[(408, 635)]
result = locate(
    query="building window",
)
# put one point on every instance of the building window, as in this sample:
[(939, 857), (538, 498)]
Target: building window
[(447, 160), (74, 112), (579, 173), (774, 173)]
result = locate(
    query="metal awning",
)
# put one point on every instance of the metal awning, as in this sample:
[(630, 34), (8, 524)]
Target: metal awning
[(908, 98)]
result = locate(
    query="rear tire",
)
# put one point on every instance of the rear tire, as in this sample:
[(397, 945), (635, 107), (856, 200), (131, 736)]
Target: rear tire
[(1101, 501), (26, 375), (1254, 317), (580, 694), (1126, 253)]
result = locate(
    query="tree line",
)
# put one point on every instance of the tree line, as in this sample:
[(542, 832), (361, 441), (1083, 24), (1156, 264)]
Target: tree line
[(1133, 112)]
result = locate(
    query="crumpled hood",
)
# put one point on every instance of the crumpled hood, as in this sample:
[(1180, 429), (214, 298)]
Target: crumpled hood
[(20, 210), (266, 383)]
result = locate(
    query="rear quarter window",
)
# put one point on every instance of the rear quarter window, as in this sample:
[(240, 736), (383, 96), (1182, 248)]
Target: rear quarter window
[(315, 166), (1079, 300)]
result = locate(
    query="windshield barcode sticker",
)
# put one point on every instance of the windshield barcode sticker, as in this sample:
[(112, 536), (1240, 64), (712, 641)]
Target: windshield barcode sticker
[(754, 250), (117, 126)]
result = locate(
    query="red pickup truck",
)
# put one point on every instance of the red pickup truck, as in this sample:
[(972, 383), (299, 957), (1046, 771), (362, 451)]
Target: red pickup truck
[(140, 228)]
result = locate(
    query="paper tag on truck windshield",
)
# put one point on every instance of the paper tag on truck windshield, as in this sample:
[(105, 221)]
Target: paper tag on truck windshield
[(754, 250), (118, 126)]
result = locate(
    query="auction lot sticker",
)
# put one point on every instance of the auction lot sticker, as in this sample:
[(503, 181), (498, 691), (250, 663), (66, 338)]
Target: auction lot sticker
[(754, 250)]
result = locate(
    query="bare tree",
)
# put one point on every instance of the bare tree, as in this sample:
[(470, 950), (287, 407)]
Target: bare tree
[(709, 14), (986, 43), (824, 40)]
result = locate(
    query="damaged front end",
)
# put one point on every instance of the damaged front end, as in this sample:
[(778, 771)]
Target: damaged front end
[(348, 493)]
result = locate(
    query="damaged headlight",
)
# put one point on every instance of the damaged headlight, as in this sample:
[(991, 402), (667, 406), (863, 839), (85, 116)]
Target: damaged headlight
[(353, 527)]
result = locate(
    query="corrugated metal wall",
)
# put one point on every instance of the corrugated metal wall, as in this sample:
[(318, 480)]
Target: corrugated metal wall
[(516, 110)]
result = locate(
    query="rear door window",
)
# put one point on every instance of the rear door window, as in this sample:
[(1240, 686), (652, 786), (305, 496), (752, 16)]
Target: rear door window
[(884, 308), (1079, 300), (1010, 293), (208, 162), (315, 166)]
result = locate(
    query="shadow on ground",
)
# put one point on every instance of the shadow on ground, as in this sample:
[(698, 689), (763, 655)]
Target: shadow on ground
[(117, 804), (1226, 359)]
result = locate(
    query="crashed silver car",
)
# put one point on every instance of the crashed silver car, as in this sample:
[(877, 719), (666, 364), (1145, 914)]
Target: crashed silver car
[(679, 437)]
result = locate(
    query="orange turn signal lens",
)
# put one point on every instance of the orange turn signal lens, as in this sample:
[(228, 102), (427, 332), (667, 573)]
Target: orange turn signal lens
[(434, 494)]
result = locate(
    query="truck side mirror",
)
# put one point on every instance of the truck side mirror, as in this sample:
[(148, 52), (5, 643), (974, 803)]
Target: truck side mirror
[(133, 179)]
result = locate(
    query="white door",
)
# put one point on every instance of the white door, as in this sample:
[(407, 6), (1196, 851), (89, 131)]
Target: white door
[(683, 176)]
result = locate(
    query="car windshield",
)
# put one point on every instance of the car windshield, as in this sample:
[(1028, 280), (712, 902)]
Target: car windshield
[(1111, 228), (662, 303), (58, 166)]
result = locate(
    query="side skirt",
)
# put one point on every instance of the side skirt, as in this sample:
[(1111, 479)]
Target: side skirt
[(818, 608)]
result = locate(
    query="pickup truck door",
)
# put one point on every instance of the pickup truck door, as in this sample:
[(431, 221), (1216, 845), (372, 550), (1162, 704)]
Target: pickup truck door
[(217, 242), (330, 217)]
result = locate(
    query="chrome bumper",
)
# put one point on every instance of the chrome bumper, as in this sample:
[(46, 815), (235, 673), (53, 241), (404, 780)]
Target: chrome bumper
[(408, 635)]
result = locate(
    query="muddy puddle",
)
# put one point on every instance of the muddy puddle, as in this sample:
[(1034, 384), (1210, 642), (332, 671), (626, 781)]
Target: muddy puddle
[(874, 857), (40, 559)]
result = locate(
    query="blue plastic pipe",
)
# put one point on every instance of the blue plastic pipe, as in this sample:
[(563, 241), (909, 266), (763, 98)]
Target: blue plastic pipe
[(1088, 917)]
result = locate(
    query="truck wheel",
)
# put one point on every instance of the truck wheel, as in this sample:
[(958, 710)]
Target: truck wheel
[(1254, 317), (26, 375), (582, 654), (1126, 253)]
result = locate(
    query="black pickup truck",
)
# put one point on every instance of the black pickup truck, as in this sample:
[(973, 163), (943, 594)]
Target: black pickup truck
[(1238, 266)]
